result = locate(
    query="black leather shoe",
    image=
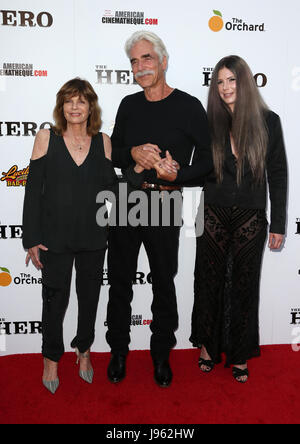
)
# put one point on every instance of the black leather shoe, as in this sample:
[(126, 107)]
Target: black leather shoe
[(162, 373), (116, 370)]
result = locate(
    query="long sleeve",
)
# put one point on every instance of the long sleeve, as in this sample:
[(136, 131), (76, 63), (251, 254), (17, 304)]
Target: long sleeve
[(109, 178), (277, 176), (121, 154), (202, 163), (195, 174), (135, 179), (32, 210)]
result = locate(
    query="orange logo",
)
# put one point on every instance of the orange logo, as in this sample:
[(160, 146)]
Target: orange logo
[(5, 277), (216, 22)]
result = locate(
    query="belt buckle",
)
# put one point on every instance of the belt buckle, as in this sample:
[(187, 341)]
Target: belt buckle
[(150, 186)]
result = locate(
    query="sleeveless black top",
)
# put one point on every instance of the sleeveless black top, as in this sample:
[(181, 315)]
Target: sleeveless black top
[(60, 199)]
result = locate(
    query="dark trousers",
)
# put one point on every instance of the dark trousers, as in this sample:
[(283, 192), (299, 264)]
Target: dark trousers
[(161, 245), (56, 278)]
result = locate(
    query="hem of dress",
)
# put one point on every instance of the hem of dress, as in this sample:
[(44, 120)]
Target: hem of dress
[(256, 353)]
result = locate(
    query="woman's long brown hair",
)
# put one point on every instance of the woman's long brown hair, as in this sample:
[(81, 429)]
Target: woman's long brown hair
[(77, 87), (246, 124)]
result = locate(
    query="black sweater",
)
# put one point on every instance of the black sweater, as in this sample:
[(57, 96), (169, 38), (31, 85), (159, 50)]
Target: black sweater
[(177, 123)]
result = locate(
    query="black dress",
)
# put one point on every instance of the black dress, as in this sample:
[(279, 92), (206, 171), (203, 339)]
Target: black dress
[(229, 253), (60, 210), (60, 198)]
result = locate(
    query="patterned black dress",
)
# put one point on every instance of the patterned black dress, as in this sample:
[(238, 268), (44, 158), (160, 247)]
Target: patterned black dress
[(229, 253)]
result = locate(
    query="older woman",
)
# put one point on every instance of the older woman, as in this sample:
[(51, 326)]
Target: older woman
[(248, 151), (70, 164)]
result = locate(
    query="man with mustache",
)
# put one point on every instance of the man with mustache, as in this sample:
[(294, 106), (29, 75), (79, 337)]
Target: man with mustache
[(149, 125)]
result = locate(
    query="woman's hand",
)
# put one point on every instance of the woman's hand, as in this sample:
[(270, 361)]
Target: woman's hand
[(275, 241), (167, 168), (34, 255)]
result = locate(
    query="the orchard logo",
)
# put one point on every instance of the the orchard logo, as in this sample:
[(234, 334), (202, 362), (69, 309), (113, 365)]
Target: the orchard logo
[(5, 277), (217, 22), (23, 279)]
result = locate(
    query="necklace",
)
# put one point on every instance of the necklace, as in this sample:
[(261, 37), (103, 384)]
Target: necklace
[(78, 145), (75, 147)]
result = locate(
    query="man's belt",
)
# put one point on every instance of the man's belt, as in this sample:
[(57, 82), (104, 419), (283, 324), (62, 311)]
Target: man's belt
[(156, 186)]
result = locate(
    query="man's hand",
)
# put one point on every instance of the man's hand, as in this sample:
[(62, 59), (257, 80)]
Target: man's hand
[(146, 155), (34, 255), (167, 168), (138, 169), (275, 241)]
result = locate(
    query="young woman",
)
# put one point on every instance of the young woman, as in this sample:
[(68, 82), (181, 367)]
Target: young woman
[(70, 164), (248, 152)]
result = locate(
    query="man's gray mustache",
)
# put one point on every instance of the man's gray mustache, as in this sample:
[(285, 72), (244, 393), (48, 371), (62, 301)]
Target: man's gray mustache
[(143, 73)]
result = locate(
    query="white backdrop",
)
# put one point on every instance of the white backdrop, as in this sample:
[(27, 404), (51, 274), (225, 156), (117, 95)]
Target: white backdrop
[(44, 43)]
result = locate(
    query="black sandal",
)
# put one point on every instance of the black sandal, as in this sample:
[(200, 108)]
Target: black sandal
[(238, 373), (208, 363)]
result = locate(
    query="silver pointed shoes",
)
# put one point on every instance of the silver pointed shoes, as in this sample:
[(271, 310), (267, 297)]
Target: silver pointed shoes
[(52, 386), (88, 375)]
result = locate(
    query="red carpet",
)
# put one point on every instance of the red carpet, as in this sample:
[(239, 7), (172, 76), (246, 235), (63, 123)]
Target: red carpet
[(270, 397)]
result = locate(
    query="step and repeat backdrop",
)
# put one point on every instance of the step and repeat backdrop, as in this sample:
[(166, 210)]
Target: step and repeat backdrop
[(44, 43)]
